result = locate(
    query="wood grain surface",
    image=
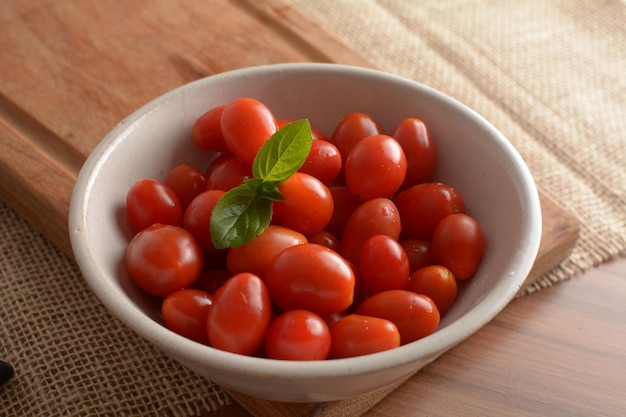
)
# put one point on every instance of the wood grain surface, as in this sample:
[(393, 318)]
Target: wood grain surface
[(79, 67)]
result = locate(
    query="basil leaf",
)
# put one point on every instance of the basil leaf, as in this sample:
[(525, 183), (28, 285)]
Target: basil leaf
[(283, 153), (239, 216), (264, 189)]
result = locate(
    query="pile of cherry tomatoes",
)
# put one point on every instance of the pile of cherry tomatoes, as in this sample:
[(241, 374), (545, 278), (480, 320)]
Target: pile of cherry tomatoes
[(363, 253)]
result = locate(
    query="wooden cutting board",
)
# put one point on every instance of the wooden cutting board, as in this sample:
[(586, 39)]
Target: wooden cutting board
[(72, 70)]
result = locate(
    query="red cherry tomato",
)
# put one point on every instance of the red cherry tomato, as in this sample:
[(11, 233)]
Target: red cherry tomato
[(355, 335), (344, 203), (325, 238), (207, 131), (310, 277), (226, 172), (437, 282), (186, 182), (459, 244), (256, 255), (246, 124), (375, 167), (419, 252), (298, 335), (162, 259), (419, 148), (240, 315), (211, 279), (150, 201), (351, 129), (415, 315), (374, 217), (383, 264), (185, 312), (307, 204), (424, 205), (197, 218), (323, 161)]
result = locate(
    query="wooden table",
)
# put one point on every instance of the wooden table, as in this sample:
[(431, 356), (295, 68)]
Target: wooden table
[(557, 352)]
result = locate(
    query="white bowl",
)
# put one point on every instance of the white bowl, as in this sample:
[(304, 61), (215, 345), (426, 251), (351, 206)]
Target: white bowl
[(474, 157)]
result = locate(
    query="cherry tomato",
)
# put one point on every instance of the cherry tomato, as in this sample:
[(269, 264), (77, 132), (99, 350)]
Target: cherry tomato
[(226, 172), (307, 204), (256, 255), (207, 131), (375, 167), (211, 279), (459, 244), (374, 217), (355, 335), (150, 201), (419, 148), (186, 182), (415, 315), (344, 203), (419, 252), (197, 218), (185, 312), (310, 277), (163, 258), (325, 238), (351, 129), (424, 205), (298, 335), (383, 264), (240, 315), (246, 124), (323, 161), (437, 282), (316, 134)]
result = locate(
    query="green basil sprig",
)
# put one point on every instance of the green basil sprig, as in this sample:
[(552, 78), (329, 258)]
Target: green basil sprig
[(245, 211)]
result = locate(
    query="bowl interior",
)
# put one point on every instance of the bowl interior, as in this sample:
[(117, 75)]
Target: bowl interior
[(472, 156)]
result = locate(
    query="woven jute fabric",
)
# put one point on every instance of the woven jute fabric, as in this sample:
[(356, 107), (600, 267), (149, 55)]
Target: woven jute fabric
[(548, 73), (71, 357)]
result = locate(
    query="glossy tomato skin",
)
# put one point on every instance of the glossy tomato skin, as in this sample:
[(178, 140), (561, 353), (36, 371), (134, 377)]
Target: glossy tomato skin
[(415, 315), (207, 131), (323, 161), (379, 216), (240, 315), (246, 124), (256, 255), (356, 335), (351, 129), (419, 148), (197, 218), (307, 204), (375, 167), (459, 244), (383, 264), (310, 277), (185, 312), (424, 205), (226, 172), (437, 282), (325, 238), (149, 201), (419, 252), (187, 182), (298, 335), (344, 204), (162, 259)]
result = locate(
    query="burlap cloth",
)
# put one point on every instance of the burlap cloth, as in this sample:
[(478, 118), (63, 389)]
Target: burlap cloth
[(551, 75)]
